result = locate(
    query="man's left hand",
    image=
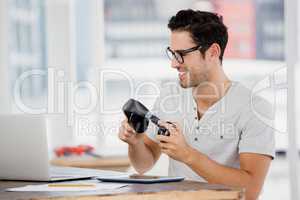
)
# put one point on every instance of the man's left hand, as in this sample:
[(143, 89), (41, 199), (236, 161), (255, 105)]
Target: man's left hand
[(174, 145)]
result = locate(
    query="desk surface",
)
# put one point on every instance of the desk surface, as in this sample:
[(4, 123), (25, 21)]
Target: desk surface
[(107, 163), (177, 190)]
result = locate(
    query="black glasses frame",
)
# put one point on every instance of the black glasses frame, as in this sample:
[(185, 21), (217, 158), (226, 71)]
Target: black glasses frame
[(179, 54)]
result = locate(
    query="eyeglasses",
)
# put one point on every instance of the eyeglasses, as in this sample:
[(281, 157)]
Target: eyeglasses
[(179, 54)]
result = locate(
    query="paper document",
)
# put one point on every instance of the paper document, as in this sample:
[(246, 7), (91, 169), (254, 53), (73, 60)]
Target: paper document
[(67, 187)]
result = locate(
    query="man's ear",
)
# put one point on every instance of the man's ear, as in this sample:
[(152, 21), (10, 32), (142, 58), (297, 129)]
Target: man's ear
[(214, 52)]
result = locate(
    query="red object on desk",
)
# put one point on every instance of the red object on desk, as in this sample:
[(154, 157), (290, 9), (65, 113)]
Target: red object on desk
[(77, 150)]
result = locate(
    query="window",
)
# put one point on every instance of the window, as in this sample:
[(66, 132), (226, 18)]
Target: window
[(139, 32), (27, 50)]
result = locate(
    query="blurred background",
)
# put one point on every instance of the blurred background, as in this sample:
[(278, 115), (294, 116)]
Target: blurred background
[(77, 62)]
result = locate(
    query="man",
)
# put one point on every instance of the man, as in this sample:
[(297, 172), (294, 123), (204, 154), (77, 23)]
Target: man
[(218, 137)]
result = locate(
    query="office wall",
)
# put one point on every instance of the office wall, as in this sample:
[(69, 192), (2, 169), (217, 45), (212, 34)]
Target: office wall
[(61, 63), (75, 46)]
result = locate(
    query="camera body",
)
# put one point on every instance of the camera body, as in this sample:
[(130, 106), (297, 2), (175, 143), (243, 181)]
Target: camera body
[(139, 117), (163, 131)]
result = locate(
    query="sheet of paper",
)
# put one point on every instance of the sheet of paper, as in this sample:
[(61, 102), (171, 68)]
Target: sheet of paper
[(67, 187)]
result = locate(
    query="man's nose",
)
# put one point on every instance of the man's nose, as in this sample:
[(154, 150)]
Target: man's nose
[(175, 64)]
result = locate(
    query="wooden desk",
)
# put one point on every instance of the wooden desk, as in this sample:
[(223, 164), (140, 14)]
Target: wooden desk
[(185, 190), (105, 163)]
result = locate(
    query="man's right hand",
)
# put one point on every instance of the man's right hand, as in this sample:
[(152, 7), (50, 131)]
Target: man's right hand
[(128, 134)]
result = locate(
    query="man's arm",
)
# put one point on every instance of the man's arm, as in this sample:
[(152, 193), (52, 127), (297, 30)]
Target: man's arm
[(251, 175), (144, 154)]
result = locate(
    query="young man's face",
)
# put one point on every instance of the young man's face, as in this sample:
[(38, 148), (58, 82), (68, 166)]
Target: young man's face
[(194, 70)]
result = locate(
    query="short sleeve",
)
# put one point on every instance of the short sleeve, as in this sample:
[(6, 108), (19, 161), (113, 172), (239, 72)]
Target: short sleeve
[(257, 132)]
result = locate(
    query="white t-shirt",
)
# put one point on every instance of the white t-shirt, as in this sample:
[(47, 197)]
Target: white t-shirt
[(239, 122)]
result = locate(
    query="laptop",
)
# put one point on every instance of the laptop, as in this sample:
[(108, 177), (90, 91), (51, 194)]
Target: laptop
[(24, 150)]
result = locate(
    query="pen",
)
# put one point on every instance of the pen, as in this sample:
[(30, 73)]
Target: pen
[(71, 185)]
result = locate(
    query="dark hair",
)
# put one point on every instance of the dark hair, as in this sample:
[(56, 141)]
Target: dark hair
[(205, 28)]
